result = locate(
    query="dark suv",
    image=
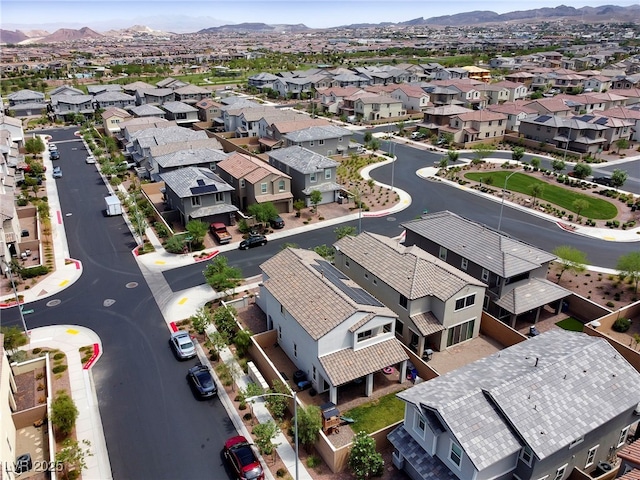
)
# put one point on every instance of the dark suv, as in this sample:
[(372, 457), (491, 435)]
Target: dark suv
[(253, 241), (606, 181), (277, 222)]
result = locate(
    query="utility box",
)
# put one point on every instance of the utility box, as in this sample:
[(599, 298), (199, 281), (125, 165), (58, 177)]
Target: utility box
[(114, 207)]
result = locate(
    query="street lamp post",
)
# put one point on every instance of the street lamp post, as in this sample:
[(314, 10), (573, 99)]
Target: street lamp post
[(504, 191), (15, 293), (357, 190), (295, 417)]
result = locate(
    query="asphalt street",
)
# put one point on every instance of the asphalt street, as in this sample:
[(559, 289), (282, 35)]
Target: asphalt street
[(154, 427)]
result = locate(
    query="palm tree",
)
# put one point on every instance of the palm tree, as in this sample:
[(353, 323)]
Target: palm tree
[(536, 191)]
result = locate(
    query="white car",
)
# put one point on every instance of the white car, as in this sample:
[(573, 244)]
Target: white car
[(90, 159), (182, 345), (53, 147)]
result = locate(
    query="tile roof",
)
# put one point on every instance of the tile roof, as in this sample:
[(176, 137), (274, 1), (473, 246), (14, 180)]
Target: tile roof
[(190, 156), (428, 467), (183, 180), (409, 270), (192, 144), (147, 110), (631, 451), (316, 304), (318, 133), (25, 95), (348, 364), (298, 123), (178, 107), (480, 244), (250, 168), (533, 294), (301, 159), (534, 393), (111, 96)]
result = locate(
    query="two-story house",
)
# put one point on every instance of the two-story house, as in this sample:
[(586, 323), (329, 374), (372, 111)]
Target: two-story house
[(478, 125), (514, 271), (205, 153), (25, 103), (309, 171), (155, 96), (255, 181), (438, 305), (378, 107), (191, 94), (327, 325), (182, 113), (570, 134), (109, 99), (551, 407), (326, 139), (515, 112), (64, 106), (414, 98), (209, 111), (199, 194), (112, 118)]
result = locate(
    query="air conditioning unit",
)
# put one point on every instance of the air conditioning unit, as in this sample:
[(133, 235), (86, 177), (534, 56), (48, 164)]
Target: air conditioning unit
[(605, 467)]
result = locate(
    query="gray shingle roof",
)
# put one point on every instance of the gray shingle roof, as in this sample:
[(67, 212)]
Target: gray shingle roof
[(317, 133), (301, 159), (147, 111), (480, 244), (409, 270), (544, 392), (114, 97), (178, 107), (25, 95), (533, 294), (187, 157), (182, 180), (316, 304), (428, 467)]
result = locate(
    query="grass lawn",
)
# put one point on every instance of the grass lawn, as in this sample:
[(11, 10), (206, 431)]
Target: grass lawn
[(562, 197), (571, 324), (377, 414)]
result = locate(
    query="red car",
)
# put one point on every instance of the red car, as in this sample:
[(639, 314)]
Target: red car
[(242, 459)]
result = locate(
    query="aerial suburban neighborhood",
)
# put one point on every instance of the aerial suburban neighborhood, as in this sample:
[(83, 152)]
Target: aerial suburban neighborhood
[(397, 250)]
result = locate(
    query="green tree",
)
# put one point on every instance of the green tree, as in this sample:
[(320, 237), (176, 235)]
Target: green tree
[(242, 341), (374, 144), (298, 205), (558, 165), (344, 231), (618, 177), (570, 258), (63, 414), (201, 319), (225, 321), (582, 170), (34, 145), (517, 153), (444, 162), (197, 230), (277, 404), (325, 251), (447, 139), (221, 276), (364, 461), (265, 433), (218, 340), (535, 162), (72, 456), (14, 338), (263, 212), (315, 198), (368, 137), (622, 144), (579, 205), (309, 425), (536, 191), (482, 151), (629, 267), (453, 155)]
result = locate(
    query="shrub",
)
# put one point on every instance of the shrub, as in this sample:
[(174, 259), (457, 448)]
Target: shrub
[(58, 356), (622, 325), (59, 369), (34, 271), (313, 461), (63, 414)]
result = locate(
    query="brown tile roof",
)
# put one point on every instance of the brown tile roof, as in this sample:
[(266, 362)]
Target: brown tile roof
[(346, 365), (631, 452), (316, 304), (249, 168), (632, 475), (427, 323)]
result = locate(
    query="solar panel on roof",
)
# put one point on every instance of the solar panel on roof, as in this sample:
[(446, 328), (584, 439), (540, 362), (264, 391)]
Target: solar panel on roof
[(543, 118), (203, 189), (337, 278), (602, 121)]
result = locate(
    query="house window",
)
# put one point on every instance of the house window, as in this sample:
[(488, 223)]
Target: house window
[(320, 142), (591, 456), (375, 281), (403, 301), (195, 201), (327, 174), (465, 302), (576, 442), (485, 275), (295, 350), (460, 333), (623, 436), (281, 185), (420, 424), (283, 310), (314, 371), (442, 254), (455, 454), (526, 455), (311, 143), (263, 188), (219, 197), (280, 332), (560, 472), (364, 335), (464, 263), (212, 166), (346, 263), (366, 276), (242, 183), (339, 139), (386, 328), (399, 328), (313, 178)]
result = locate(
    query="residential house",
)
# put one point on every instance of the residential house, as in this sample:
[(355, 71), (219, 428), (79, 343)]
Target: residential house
[(132, 88), (172, 83), (65, 90), (550, 106), (629, 114), (597, 83), (525, 78), (378, 107), (551, 407), (437, 118), (327, 325), (183, 114), (437, 305), (272, 129), (515, 111), (515, 91), (254, 181), (155, 96), (477, 125), (309, 171), (626, 81), (414, 99), (14, 127), (191, 94), (25, 103), (570, 134), (112, 118), (450, 74), (618, 128), (631, 95), (209, 112), (66, 106), (114, 99), (514, 271), (326, 139), (262, 80), (477, 73), (98, 89), (145, 111), (232, 112), (199, 194), (140, 142), (332, 99), (442, 95), (205, 153)]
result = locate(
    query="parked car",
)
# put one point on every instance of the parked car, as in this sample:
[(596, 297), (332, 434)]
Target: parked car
[(53, 147), (277, 222), (253, 241), (606, 181), (201, 381), (57, 172), (54, 155), (241, 458), (90, 159), (182, 345)]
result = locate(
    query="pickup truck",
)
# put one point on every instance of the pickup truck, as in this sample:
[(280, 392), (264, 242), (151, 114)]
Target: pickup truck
[(220, 233)]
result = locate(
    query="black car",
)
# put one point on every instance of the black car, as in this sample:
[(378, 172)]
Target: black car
[(54, 155), (606, 181), (201, 381), (253, 241), (277, 222)]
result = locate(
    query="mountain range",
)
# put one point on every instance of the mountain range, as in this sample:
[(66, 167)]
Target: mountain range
[(602, 14)]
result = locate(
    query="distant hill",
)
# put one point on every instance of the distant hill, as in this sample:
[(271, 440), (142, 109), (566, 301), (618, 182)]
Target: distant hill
[(69, 34), (8, 36), (255, 27)]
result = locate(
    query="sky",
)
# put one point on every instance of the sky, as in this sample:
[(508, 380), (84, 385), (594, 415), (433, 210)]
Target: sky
[(102, 15)]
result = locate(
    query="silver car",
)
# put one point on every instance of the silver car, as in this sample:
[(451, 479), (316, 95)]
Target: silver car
[(182, 345)]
